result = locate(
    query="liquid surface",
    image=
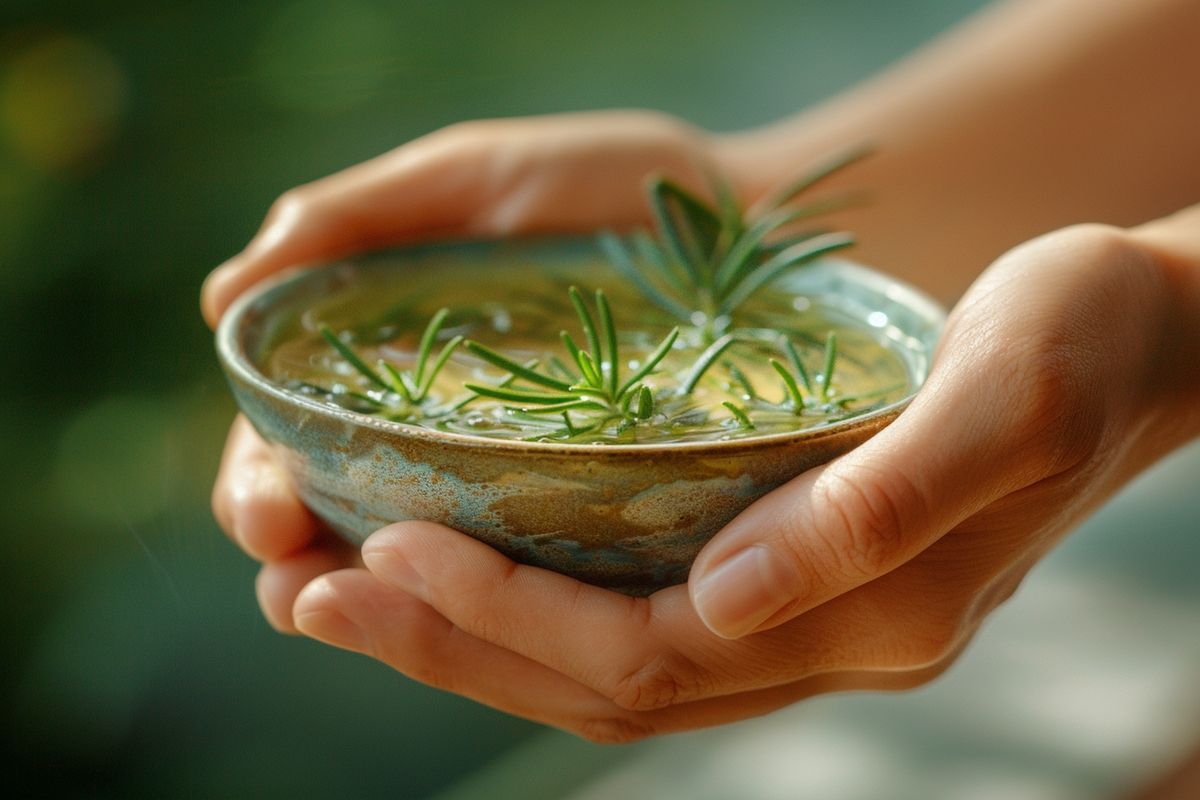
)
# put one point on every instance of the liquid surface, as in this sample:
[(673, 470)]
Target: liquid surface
[(520, 312)]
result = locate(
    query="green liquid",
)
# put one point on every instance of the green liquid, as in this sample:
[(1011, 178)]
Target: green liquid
[(520, 312)]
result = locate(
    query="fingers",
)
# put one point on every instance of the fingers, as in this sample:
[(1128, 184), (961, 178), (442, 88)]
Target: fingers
[(1178, 233), (354, 610), (385, 200), (646, 654), (253, 499), (542, 615), (985, 425), (280, 582), (559, 173)]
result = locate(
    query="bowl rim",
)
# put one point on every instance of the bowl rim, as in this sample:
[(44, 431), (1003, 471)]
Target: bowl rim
[(231, 352)]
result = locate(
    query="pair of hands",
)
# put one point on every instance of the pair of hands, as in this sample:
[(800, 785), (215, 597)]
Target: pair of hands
[(1054, 384)]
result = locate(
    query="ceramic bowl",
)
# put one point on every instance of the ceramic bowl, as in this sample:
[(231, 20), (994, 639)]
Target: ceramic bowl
[(627, 517)]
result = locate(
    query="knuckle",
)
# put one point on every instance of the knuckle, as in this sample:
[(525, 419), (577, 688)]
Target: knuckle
[(478, 615), (932, 642), (295, 202), (1057, 416), (658, 683), (1097, 243), (1051, 355), (614, 730), (859, 515), (651, 686)]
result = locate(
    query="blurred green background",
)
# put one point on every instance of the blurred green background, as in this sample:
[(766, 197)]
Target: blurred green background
[(140, 145)]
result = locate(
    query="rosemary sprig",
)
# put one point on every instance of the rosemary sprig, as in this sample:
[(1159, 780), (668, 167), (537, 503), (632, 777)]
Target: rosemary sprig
[(800, 392), (594, 386), (708, 259), (739, 414), (401, 393)]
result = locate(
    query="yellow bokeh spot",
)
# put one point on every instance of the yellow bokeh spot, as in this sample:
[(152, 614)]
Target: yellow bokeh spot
[(61, 99)]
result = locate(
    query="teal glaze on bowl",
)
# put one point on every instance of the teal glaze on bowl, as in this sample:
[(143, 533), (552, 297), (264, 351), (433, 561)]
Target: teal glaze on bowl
[(627, 517)]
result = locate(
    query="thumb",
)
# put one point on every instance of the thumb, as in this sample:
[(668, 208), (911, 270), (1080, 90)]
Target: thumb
[(961, 445)]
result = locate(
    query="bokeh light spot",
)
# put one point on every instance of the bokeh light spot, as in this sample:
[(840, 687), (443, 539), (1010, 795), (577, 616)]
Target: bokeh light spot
[(61, 100), (112, 459)]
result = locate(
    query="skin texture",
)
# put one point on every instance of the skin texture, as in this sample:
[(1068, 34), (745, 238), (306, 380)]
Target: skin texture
[(1068, 366)]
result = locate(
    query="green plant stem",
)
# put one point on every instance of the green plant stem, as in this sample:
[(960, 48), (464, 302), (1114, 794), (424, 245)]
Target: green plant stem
[(830, 361), (740, 415), (352, 358)]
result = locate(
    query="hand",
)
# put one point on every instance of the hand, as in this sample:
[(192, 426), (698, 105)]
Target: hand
[(486, 178), (1071, 364), (575, 172)]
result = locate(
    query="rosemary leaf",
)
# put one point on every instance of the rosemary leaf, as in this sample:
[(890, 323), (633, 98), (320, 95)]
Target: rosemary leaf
[(624, 263), (789, 385), (427, 338), (352, 358), (743, 419), (797, 364), (651, 252), (609, 333), (503, 362), (572, 348), (519, 395), (704, 361), (571, 429), (509, 379), (813, 177), (830, 360), (562, 369), (665, 199), (645, 403), (590, 391), (585, 320), (555, 408), (779, 245), (588, 367), (739, 261), (729, 211), (438, 363), (652, 360), (741, 380), (773, 267), (627, 400), (398, 383)]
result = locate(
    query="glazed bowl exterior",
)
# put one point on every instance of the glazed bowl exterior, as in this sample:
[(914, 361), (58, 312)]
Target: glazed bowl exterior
[(627, 517)]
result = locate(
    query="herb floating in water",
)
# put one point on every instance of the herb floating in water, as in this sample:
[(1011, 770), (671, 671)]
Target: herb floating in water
[(707, 260), (596, 390), (402, 394), (710, 267), (801, 393)]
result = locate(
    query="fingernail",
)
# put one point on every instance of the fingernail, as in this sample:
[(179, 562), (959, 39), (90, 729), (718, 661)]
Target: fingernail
[(741, 593), (397, 571), (335, 628)]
